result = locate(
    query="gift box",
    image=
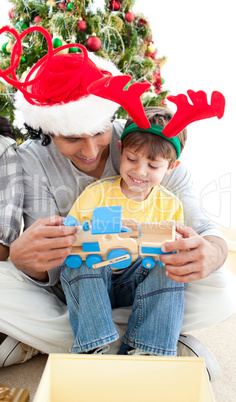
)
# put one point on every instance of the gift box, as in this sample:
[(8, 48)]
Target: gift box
[(8, 394), (106, 378)]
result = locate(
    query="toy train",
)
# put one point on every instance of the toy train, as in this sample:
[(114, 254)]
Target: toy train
[(111, 240)]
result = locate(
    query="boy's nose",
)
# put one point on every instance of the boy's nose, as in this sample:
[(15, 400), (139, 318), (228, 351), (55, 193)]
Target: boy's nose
[(141, 170)]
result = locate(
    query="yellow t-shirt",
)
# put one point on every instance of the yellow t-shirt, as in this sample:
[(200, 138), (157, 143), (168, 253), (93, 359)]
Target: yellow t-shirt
[(160, 205)]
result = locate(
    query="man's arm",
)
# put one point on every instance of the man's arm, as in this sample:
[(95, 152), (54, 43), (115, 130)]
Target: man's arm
[(197, 256), (11, 195)]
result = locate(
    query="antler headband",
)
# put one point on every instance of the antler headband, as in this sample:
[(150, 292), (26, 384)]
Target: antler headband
[(186, 113)]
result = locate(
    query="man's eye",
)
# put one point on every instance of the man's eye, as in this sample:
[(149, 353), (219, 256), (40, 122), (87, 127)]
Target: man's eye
[(73, 139)]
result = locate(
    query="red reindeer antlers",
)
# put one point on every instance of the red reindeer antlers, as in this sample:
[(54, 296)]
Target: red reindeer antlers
[(113, 88), (199, 109)]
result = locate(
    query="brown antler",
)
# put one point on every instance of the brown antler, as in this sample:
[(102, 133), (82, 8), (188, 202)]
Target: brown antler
[(113, 88), (199, 109)]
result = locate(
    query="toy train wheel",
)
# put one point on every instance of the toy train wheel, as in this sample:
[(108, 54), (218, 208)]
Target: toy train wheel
[(120, 264), (93, 259), (148, 262), (73, 261)]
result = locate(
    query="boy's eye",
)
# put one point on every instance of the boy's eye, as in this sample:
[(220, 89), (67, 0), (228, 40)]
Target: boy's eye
[(153, 167), (130, 159)]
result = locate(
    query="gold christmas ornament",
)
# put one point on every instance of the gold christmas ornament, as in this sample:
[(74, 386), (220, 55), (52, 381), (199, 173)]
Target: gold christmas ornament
[(9, 47), (50, 2), (151, 48), (24, 74), (117, 22), (162, 61), (65, 51)]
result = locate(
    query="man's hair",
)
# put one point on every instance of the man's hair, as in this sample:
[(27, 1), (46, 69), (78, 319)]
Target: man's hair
[(33, 134), (46, 139), (6, 129), (151, 144)]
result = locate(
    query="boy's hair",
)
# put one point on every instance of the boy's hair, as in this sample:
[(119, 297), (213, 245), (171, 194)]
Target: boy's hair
[(152, 144)]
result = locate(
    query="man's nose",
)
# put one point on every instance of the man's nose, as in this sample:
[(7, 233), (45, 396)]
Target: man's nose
[(90, 149)]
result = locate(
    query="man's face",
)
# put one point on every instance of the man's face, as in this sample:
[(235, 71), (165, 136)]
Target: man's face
[(85, 151)]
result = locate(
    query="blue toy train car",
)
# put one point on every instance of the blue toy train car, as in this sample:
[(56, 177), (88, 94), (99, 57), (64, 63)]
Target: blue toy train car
[(111, 240)]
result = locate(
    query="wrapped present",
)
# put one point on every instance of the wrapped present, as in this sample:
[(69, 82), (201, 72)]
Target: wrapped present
[(8, 394)]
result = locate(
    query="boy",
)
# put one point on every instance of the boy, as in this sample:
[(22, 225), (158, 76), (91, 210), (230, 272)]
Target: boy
[(158, 302)]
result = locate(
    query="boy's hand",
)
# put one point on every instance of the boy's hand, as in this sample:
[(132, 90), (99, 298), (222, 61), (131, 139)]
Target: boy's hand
[(43, 246), (197, 256)]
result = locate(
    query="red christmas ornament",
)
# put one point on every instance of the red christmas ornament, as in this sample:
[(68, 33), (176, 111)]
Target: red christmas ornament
[(93, 43), (157, 82), (142, 21), (81, 25), (11, 14), (37, 18), (114, 5), (129, 17), (62, 6)]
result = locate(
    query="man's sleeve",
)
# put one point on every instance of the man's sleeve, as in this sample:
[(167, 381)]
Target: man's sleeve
[(38, 199), (11, 196)]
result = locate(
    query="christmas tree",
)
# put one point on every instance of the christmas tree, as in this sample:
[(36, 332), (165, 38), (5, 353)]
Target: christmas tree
[(113, 33)]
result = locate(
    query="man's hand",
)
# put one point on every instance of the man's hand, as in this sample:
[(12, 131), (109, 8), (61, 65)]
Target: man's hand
[(196, 256), (43, 246)]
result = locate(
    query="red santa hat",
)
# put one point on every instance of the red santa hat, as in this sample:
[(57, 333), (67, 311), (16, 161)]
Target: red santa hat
[(72, 93), (66, 107)]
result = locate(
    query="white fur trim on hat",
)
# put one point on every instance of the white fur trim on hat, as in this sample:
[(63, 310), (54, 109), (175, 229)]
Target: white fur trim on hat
[(89, 115)]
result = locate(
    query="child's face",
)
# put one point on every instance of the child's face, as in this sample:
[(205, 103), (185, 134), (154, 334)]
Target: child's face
[(140, 174)]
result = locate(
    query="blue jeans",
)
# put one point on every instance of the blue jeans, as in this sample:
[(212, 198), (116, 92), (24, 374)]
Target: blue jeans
[(157, 313)]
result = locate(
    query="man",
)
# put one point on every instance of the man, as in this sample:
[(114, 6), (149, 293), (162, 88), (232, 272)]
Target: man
[(84, 148)]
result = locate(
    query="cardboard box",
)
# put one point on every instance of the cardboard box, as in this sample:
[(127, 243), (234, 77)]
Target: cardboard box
[(108, 378)]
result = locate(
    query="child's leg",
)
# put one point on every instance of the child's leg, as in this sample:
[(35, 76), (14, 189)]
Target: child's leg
[(87, 296), (157, 314)]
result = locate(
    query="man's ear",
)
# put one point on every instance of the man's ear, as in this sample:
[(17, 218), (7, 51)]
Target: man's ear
[(172, 167), (120, 146)]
